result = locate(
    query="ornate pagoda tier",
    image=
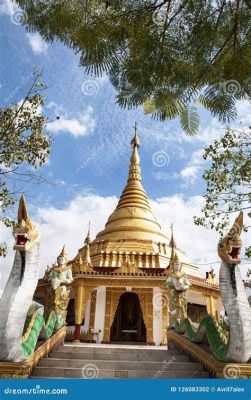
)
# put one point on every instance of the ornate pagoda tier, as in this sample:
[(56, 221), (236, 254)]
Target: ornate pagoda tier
[(132, 232)]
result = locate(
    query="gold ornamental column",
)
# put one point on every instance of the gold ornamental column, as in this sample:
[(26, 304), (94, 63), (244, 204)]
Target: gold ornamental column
[(112, 301), (164, 317), (82, 295), (146, 304), (79, 311), (92, 314), (211, 305)]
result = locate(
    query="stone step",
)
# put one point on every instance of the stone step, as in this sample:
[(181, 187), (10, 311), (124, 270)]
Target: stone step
[(172, 364), (45, 372), (115, 349), (147, 356), (89, 361)]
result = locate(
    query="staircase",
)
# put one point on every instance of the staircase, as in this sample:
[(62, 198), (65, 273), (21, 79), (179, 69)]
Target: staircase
[(88, 361)]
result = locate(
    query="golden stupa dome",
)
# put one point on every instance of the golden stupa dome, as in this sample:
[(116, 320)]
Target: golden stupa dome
[(133, 217)]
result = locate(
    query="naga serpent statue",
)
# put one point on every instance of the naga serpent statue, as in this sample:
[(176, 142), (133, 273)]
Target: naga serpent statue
[(237, 347), (21, 321)]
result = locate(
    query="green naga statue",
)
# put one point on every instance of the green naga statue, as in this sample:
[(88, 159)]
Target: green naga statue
[(237, 346), (21, 319)]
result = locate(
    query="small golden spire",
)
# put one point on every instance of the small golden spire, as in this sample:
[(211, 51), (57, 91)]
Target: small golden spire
[(63, 253), (135, 142), (172, 244), (134, 169), (88, 236)]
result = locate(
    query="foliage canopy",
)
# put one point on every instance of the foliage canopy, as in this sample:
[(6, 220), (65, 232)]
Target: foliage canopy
[(228, 180), (165, 54)]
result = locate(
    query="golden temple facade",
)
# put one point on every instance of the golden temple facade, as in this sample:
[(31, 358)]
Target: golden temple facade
[(118, 292)]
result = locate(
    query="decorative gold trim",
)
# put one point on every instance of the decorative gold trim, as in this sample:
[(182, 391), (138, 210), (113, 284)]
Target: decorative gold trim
[(24, 369), (210, 363), (146, 304), (112, 301), (128, 269), (164, 317)]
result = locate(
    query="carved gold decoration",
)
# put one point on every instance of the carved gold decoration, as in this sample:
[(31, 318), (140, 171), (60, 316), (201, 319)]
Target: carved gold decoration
[(128, 269), (24, 369), (211, 305), (112, 301), (164, 317), (146, 304), (210, 363)]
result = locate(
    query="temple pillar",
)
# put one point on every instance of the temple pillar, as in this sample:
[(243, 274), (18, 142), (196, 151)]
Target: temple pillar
[(79, 311), (140, 260), (81, 298), (91, 315), (157, 316), (147, 260), (100, 310), (164, 317), (111, 304), (146, 304)]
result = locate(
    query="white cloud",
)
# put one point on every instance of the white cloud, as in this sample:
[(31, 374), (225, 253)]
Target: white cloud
[(69, 226), (189, 173), (244, 112), (7, 7), (36, 42), (192, 169), (82, 125)]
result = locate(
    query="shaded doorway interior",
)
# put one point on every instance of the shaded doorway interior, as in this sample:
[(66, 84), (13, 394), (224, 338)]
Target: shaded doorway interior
[(128, 325)]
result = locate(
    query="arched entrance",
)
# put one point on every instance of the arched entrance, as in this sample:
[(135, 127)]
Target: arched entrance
[(128, 324)]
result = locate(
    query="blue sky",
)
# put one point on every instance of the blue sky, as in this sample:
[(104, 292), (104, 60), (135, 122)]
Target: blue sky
[(91, 145), (102, 152)]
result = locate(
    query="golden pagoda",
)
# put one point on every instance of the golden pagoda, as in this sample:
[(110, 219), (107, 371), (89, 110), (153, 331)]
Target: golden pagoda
[(118, 292)]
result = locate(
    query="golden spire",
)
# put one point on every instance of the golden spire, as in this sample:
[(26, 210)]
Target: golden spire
[(63, 253), (134, 169), (173, 258), (133, 218), (87, 242), (172, 243), (88, 236)]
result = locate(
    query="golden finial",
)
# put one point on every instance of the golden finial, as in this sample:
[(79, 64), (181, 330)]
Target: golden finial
[(88, 236), (172, 244), (134, 169), (135, 142), (63, 253)]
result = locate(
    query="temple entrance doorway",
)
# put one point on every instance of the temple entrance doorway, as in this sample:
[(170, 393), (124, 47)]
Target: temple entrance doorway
[(128, 325)]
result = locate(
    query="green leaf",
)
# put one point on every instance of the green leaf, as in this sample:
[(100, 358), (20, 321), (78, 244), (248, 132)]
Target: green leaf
[(190, 120)]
